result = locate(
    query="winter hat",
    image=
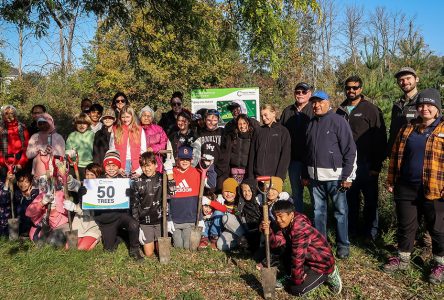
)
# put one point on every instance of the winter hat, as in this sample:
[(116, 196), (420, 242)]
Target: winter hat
[(185, 152), (112, 157), (146, 109), (229, 185), (108, 113), (276, 184), (429, 96)]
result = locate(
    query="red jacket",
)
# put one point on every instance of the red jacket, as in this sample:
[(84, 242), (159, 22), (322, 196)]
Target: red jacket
[(13, 130)]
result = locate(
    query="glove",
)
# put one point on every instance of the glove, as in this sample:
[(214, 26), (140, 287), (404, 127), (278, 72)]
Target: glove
[(201, 224), (70, 153), (142, 238), (73, 184), (171, 184), (82, 191), (220, 199), (205, 200), (69, 205), (170, 227), (207, 160), (48, 198)]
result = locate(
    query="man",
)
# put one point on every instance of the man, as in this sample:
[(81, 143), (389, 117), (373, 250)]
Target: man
[(95, 113), (331, 166), (295, 118), (367, 124), (404, 109), (168, 120), (236, 108), (85, 105)]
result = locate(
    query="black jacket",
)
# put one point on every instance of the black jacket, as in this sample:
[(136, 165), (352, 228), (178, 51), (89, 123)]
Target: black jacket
[(168, 123), (101, 144), (209, 142), (269, 152), (178, 139), (369, 133), (231, 125), (402, 113), (297, 122), (147, 199)]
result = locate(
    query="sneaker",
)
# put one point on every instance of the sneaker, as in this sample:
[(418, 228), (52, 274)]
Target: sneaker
[(213, 243), (437, 274), (334, 281), (203, 243), (135, 254), (243, 243), (343, 253), (394, 264)]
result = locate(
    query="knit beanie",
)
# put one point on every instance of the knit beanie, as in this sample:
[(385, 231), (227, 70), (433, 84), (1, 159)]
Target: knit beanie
[(429, 96), (229, 185), (112, 157), (276, 184)]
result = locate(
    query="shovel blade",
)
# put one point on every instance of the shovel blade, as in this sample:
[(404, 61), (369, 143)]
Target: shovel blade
[(72, 238), (13, 225), (196, 234), (268, 278), (164, 249)]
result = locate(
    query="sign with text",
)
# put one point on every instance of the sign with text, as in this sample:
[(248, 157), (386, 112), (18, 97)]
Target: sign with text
[(106, 193)]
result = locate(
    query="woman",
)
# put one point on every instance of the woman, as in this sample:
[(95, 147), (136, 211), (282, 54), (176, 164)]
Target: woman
[(43, 143), (14, 140), (119, 101), (270, 147), (415, 178), (128, 138), (235, 150), (185, 136), (156, 138)]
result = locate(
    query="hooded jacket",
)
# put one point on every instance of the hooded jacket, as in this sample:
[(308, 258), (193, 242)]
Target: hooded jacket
[(147, 197)]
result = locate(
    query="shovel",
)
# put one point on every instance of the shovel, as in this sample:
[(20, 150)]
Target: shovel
[(196, 231), (268, 274), (13, 223), (164, 242)]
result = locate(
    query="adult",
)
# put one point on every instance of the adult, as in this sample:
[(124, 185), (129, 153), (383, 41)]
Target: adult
[(156, 138), (367, 124), (95, 113), (415, 178), (403, 110), (129, 139), (270, 147), (168, 120), (118, 102), (103, 136), (43, 143), (185, 136), (235, 150), (331, 166), (14, 140), (236, 108), (85, 105), (36, 111), (295, 118)]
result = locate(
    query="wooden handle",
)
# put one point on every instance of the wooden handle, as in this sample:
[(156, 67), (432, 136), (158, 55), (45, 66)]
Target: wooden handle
[(164, 205), (265, 218)]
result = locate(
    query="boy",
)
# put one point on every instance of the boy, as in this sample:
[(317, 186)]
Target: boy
[(312, 261), (111, 221), (25, 194), (147, 206), (183, 205), (212, 220)]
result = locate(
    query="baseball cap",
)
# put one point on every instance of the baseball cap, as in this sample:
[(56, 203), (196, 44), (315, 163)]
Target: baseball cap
[(405, 70), (303, 86), (319, 95), (185, 152)]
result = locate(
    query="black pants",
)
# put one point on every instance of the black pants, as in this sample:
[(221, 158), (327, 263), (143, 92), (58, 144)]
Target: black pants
[(109, 232), (312, 281), (410, 205)]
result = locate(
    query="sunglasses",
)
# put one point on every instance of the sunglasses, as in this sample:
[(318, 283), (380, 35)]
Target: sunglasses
[(300, 92), (176, 104), (212, 112), (120, 101), (355, 88)]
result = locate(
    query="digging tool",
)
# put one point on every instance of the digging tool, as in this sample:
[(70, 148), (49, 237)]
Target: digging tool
[(13, 223), (268, 274), (164, 242), (196, 231), (75, 164)]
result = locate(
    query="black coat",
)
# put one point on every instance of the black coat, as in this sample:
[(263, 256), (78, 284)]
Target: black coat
[(101, 145), (147, 199), (168, 123)]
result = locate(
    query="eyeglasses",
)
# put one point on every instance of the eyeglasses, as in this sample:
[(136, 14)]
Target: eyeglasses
[(355, 88), (176, 104), (120, 101), (300, 92)]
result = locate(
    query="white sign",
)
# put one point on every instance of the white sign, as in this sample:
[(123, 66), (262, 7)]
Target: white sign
[(106, 193)]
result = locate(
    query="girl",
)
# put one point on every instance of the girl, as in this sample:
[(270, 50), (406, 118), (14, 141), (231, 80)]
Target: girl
[(102, 137)]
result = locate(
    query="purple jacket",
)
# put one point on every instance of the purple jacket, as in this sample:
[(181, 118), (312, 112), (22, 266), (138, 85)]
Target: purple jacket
[(157, 140)]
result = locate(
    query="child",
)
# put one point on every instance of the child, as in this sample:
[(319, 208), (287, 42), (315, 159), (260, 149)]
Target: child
[(88, 230), (81, 140), (103, 136), (5, 205), (147, 206), (110, 221), (25, 194), (212, 220), (275, 193), (312, 261), (183, 205)]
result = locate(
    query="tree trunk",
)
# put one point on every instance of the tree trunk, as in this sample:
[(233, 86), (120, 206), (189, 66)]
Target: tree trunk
[(20, 64)]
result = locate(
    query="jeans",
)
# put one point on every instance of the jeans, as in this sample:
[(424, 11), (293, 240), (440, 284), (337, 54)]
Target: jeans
[(297, 189), (213, 225), (369, 187), (233, 230), (320, 191), (181, 235)]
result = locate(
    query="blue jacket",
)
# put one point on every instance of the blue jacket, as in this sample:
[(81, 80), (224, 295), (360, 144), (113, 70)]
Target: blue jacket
[(331, 151)]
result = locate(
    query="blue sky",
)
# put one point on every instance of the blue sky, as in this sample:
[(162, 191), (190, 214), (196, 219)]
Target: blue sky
[(39, 54)]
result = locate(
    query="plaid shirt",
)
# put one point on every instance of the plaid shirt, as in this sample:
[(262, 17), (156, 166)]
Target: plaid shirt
[(308, 248), (433, 168)]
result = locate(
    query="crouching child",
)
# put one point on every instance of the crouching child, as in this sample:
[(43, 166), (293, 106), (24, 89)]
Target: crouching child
[(312, 260), (213, 222)]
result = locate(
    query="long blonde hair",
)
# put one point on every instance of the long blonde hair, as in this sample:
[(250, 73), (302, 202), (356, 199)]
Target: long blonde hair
[(133, 127)]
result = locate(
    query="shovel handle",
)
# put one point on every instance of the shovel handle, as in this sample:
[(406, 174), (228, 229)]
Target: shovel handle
[(164, 205), (266, 234), (11, 191), (263, 178), (201, 190)]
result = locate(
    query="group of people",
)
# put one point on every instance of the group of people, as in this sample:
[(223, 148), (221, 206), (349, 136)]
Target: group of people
[(338, 154)]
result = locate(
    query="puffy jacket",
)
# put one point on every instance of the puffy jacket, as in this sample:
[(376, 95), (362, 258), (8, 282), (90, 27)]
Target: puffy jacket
[(269, 152), (157, 140), (147, 197), (331, 151), (369, 133), (14, 139)]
